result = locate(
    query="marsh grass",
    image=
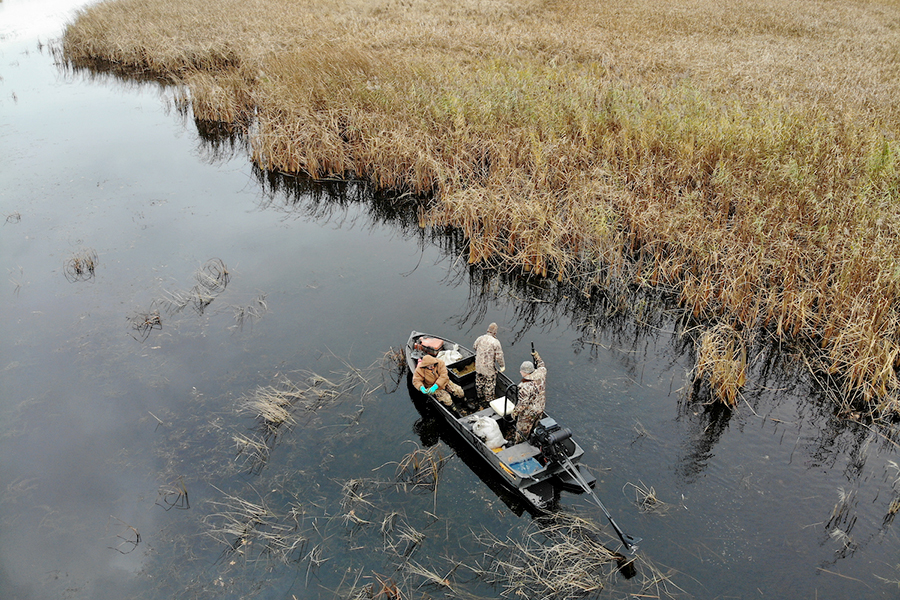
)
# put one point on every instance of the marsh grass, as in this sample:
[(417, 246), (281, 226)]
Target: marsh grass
[(722, 362), (562, 557), (294, 400), (126, 538), (142, 324), (646, 500), (253, 449), (250, 313), (81, 266), (272, 406), (421, 468), (212, 278), (393, 369), (740, 155), (174, 495), (256, 532)]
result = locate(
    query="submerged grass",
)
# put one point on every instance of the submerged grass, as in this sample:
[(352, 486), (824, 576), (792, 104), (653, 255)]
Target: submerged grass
[(742, 156), (562, 557), (81, 266)]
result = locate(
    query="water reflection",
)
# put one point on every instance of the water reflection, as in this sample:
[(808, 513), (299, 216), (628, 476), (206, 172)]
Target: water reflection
[(708, 422)]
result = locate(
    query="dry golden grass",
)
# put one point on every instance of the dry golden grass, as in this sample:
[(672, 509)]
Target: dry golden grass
[(741, 154)]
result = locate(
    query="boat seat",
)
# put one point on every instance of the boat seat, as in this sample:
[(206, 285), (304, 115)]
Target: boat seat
[(517, 453)]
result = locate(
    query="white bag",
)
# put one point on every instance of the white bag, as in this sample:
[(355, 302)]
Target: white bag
[(450, 356), (487, 429)]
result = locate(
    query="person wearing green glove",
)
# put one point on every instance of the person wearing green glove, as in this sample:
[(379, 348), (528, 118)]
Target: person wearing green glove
[(431, 377)]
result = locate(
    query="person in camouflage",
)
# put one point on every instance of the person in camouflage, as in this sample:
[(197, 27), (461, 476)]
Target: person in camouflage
[(488, 360), (532, 396)]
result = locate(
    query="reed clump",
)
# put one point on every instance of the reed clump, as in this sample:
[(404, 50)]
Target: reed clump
[(741, 155), (722, 361), (143, 323), (256, 531), (561, 558), (81, 266)]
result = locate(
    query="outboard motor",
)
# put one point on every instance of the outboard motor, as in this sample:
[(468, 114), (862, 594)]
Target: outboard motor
[(554, 441)]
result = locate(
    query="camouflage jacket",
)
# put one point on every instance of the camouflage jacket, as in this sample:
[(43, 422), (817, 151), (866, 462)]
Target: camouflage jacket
[(488, 355), (532, 392)]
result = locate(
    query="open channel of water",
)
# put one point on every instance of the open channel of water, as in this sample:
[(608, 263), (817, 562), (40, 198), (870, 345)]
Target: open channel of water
[(104, 430)]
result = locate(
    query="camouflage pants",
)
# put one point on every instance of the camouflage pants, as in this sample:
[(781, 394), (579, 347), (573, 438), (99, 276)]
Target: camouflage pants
[(444, 397), (524, 423), (485, 385)]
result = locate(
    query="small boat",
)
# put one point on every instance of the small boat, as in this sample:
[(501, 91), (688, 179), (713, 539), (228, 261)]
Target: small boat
[(535, 469)]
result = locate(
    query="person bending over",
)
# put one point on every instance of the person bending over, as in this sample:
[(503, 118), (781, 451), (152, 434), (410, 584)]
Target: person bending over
[(431, 377)]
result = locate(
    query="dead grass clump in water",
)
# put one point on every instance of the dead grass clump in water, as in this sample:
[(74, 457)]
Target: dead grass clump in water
[(128, 537), (143, 323), (272, 406), (737, 154), (81, 266), (212, 279), (646, 500), (255, 451), (250, 313), (255, 531), (174, 495), (421, 468), (722, 361), (393, 368), (559, 558)]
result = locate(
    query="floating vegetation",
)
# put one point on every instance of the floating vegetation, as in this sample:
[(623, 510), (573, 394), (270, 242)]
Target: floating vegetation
[(354, 495), (722, 361), (646, 500), (255, 531), (272, 406), (421, 468), (81, 266), (17, 282), (255, 451), (393, 368), (278, 406), (212, 279), (250, 313), (559, 558), (841, 523), (841, 513), (382, 588), (173, 495), (142, 323), (128, 537)]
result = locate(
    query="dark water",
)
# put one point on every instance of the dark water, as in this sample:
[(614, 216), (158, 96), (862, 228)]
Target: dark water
[(99, 429)]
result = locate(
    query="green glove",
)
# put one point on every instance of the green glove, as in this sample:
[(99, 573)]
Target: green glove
[(432, 389), (422, 389)]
